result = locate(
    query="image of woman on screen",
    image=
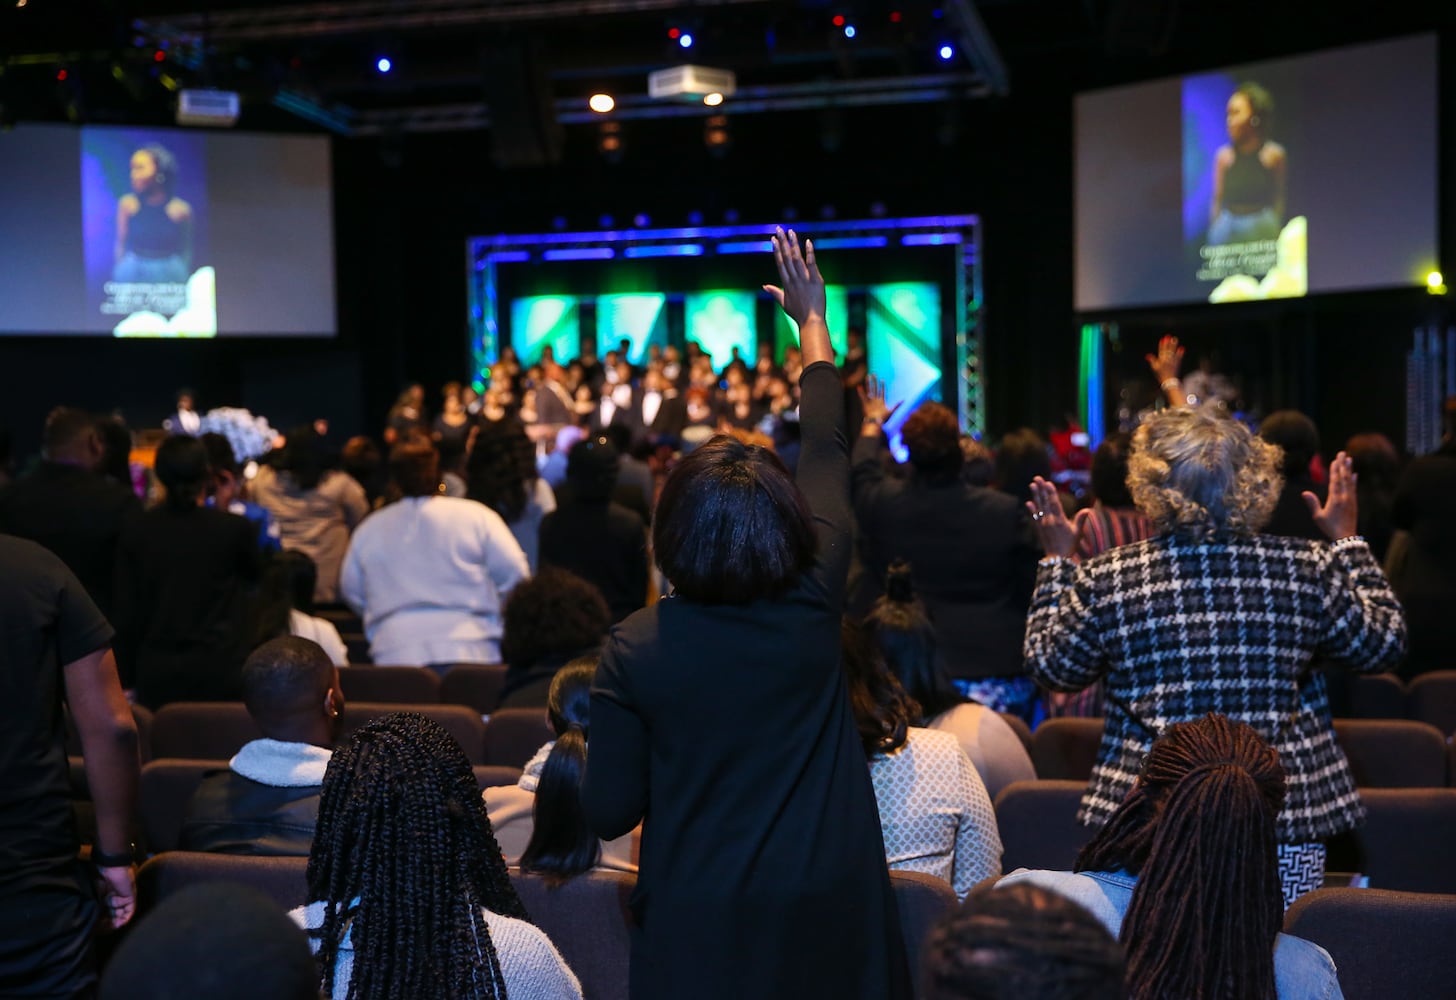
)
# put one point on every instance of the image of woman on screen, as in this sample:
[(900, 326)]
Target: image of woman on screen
[(153, 225), (1248, 173)]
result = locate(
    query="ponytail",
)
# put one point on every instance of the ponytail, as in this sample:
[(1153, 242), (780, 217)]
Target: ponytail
[(562, 844)]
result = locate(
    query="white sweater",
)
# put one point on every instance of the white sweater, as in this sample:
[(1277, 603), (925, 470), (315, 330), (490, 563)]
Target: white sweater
[(429, 575)]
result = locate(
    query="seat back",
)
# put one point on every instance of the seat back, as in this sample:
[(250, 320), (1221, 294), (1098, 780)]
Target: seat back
[(1377, 696), (1020, 728), (458, 721), (1038, 824), (1406, 842), (477, 685), (1393, 753), (166, 788), (1066, 749), (488, 776), (513, 735), (392, 685), (202, 730), (1432, 699), (922, 900), (1385, 944), (588, 921), (284, 880)]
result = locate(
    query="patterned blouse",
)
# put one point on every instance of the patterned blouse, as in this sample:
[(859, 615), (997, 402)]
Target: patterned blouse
[(934, 811), (1179, 628)]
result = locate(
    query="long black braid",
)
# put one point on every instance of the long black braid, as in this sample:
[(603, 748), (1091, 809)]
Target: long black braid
[(403, 860), (1198, 831)]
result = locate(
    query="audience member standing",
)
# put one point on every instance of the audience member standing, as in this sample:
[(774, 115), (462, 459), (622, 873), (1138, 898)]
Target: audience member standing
[(429, 573), (314, 505), (66, 506), (1424, 575), (970, 550), (266, 801), (53, 650), (184, 572), (501, 473), (600, 541), (1298, 438), (720, 722)]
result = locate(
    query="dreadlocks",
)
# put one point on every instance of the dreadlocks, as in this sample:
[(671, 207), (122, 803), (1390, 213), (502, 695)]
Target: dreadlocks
[(403, 860), (1022, 942), (1198, 832)]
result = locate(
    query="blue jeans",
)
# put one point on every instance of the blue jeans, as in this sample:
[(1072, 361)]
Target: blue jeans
[(133, 269), (1231, 228)]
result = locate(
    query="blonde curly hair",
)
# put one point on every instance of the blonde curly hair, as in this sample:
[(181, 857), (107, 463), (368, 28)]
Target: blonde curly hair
[(1194, 472)]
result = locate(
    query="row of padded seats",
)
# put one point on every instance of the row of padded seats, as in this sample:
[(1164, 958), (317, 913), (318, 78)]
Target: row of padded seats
[(587, 918), (1383, 753), (1405, 843), (475, 685), (1429, 698)]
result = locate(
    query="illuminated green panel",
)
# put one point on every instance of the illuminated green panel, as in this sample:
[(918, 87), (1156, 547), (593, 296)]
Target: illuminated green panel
[(542, 321), (720, 321), (836, 307), (641, 318), (903, 340)]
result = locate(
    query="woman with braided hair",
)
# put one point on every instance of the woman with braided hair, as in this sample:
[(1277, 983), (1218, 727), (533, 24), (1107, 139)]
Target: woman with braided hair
[(1186, 873), (409, 896)]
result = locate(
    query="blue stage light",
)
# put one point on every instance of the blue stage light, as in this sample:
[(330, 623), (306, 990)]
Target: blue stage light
[(946, 52), (849, 31), (685, 40), (384, 65)]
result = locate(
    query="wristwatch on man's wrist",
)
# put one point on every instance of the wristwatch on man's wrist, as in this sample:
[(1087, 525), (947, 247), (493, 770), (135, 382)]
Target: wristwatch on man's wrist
[(121, 859)]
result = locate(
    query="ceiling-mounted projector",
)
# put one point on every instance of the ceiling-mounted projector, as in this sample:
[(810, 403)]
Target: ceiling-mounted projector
[(691, 83), (208, 107)]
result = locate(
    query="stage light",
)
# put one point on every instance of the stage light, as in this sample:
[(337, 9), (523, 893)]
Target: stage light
[(849, 31), (384, 65), (839, 20), (895, 17), (712, 100), (673, 33), (1434, 280), (601, 103), (159, 56), (946, 52), (61, 75), (685, 40)]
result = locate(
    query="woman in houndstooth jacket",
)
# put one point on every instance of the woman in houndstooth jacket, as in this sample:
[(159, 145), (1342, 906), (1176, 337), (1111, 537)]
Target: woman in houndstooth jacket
[(1210, 616)]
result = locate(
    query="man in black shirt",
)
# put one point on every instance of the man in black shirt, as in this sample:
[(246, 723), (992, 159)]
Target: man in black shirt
[(68, 507), (54, 646)]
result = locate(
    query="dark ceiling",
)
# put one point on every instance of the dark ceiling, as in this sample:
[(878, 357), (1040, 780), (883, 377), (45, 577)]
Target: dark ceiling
[(313, 65)]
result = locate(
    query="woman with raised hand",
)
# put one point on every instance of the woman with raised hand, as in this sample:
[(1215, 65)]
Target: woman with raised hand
[(720, 721), (408, 893), (1208, 615)]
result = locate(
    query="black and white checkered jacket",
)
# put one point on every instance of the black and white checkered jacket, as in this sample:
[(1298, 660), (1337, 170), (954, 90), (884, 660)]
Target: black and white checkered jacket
[(1177, 628)]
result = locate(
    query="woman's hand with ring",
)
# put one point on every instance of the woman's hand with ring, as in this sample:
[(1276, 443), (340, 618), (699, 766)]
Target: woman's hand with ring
[(1058, 535)]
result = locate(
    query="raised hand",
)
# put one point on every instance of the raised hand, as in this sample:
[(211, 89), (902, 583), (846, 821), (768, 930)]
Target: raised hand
[(1337, 518), (872, 394), (1168, 361), (1057, 534), (801, 292)]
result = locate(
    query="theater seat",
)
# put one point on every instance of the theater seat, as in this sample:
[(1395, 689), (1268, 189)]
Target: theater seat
[(1393, 753), (488, 776), (392, 685), (202, 730), (1432, 699), (1038, 824), (922, 900), (167, 787), (284, 880), (1066, 749), (477, 685), (513, 735), (458, 721), (1405, 842), (1376, 696), (588, 921), (1385, 944)]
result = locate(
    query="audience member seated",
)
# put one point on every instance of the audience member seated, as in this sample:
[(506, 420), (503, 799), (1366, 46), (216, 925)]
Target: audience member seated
[(408, 892), (267, 801), (905, 638), (315, 505), (1186, 873), (1298, 438), (213, 942), (550, 619), (363, 463), (539, 821), (1209, 616), (65, 505), (970, 549), (184, 576), (501, 473), (1022, 942), (935, 814), (226, 492), (286, 606), (595, 538), (429, 573)]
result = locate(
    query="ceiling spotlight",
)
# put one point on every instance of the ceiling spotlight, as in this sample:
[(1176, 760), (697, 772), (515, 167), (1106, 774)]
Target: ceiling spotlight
[(384, 65), (839, 20), (673, 33), (685, 40), (712, 100), (946, 52), (849, 31), (601, 103)]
